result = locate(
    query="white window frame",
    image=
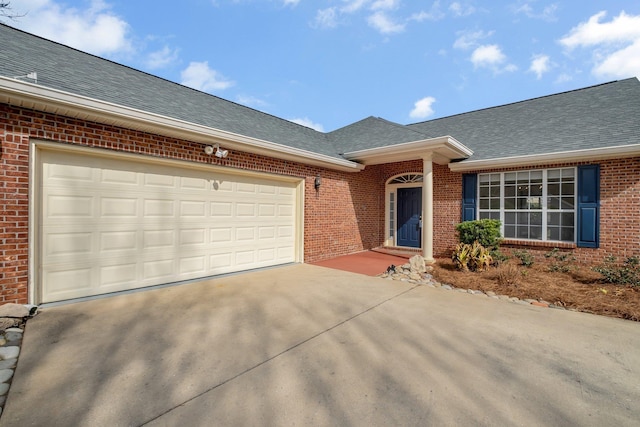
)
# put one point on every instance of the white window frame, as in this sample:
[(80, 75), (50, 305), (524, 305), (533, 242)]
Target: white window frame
[(545, 210)]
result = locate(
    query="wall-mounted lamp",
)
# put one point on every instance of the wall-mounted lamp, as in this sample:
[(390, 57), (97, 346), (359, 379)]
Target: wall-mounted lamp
[(215, 149), (317, 182)]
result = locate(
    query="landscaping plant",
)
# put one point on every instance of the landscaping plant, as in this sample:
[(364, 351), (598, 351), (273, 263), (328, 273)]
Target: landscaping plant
[(626, 274)]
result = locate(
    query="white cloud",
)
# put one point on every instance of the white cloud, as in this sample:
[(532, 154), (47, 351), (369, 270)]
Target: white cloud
[(251, 101), (434, 14), (491, 56), (616, 43), (353, 5), (487, 55), (162, 58), (459, 9), (94, 29), (621, 63), (384, 24), (385, 4), (469, 39), (548, 13), (423, 108), (308, 123), (199, 76), (291, 2), (325, 18), (540, 64)]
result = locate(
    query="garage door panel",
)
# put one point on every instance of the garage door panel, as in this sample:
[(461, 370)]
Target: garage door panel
[(110, 225)]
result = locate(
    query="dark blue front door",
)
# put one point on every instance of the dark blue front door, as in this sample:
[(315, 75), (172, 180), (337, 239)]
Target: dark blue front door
[(409, 213)]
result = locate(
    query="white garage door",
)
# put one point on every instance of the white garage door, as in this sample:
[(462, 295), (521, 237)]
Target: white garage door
[(109, 225)]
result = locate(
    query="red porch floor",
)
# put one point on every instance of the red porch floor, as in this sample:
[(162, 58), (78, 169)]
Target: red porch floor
[(369, 262)]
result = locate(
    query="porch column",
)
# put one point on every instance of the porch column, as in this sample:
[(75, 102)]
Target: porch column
[(427, 209)]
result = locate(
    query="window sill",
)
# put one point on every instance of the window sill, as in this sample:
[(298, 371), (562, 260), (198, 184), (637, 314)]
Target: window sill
[(559, 245)]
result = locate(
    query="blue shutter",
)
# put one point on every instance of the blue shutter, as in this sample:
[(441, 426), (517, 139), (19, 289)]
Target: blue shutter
[(589, 206), (469, 196)]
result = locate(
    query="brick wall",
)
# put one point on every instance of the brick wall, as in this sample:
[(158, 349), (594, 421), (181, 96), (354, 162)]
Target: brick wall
[(619, 211), (346, 215)]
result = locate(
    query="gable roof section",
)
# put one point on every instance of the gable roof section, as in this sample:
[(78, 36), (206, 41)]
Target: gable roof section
[(73, 72), (594, 119)]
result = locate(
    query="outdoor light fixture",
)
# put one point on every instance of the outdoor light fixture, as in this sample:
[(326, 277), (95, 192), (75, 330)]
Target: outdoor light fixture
[(215, 149), (317, 182)]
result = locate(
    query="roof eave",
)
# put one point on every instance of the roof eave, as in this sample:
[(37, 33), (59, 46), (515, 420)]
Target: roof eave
[(592, 154), (442, 150), (49, 100)]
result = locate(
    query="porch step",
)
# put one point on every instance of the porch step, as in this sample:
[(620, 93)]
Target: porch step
[(400, 252)]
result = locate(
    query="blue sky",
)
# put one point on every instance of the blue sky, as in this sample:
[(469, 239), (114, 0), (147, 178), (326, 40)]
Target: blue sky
[(329, 63)]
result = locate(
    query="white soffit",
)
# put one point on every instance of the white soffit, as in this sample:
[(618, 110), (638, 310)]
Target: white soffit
[(622, 151), (442, 151), (40, 98)]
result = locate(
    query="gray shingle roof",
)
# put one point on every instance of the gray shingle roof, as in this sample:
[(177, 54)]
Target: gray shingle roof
[(599, 116), (61, 67)]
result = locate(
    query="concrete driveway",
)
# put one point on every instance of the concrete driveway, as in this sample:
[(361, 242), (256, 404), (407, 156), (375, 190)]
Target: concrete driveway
[(307, 345)]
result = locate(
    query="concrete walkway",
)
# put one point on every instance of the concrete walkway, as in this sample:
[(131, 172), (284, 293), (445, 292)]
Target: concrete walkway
[(306, 345)]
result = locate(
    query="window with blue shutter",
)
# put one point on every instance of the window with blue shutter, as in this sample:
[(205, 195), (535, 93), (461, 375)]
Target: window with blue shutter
[(469, 196), (588, 206)]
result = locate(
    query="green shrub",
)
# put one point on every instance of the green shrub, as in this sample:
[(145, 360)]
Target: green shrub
[(484, 231), (525, 258), (498, 256), (627, 273), (561, 261)]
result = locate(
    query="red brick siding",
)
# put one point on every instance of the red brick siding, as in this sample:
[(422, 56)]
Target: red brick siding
[(346, 215), (619, 211)]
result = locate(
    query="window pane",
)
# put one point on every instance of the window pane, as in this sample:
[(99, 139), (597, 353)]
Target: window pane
[(484, 191), (535, 218), (510, 191), (522, 203), (495, 191), (509, 218), (509, 231), (495, 203), (510, 203), (553, 233), (568, 173), (535, 203), (568, 219), (535, 233), (510, 178), (553, 189), (567, 203), (553, 203), (523, 176), (484, 203), (523, 232), (567, 189), (536, 176), (523, 218), (553, 175), (536, 190), (553, 219), (484, 215), (566, 234), (495, 215), (523, 190)]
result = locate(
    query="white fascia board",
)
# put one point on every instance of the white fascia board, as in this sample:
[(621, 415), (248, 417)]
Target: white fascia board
[(591, 154), (444, 149), (33, 96)]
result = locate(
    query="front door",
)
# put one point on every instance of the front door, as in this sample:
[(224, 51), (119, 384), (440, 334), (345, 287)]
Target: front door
[(409, 217)]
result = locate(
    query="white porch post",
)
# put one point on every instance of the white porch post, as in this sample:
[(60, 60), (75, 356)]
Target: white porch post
[(427, 209)]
